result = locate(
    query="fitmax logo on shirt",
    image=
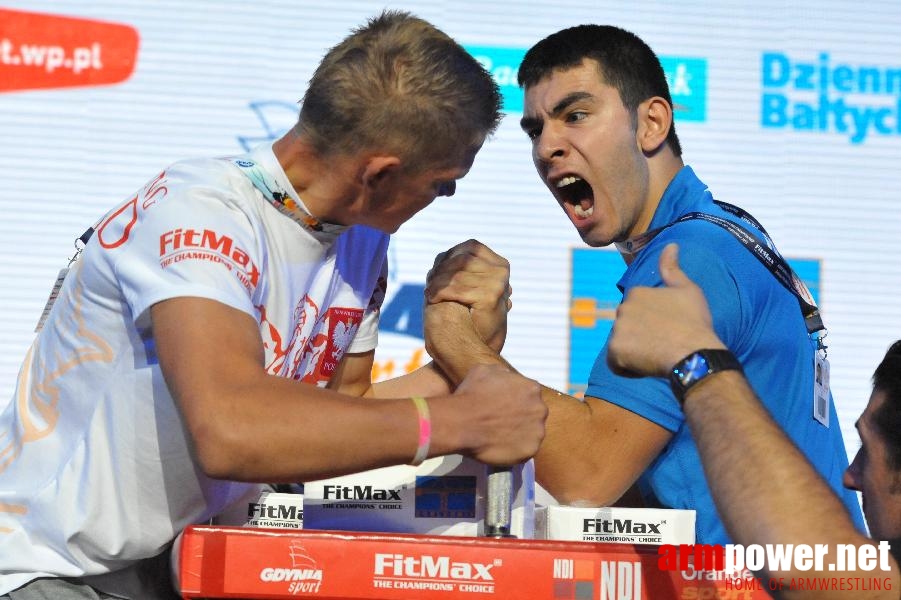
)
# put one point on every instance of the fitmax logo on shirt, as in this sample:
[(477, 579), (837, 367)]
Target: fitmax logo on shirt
[(830, 96), (179, 244)]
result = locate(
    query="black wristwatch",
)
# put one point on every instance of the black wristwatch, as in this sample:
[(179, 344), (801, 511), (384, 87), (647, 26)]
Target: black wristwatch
[(698, 365)]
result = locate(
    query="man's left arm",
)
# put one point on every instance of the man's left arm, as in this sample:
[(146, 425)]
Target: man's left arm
[(354, 377)]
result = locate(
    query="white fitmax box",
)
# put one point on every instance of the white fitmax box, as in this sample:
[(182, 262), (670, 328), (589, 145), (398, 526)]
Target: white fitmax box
[(277, 510), (621, 525), (442, 496)]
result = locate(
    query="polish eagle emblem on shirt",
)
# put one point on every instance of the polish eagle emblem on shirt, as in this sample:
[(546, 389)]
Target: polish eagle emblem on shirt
[(343, 335)]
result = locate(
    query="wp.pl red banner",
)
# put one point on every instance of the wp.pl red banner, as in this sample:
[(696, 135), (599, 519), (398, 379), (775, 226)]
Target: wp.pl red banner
[(40, 51)]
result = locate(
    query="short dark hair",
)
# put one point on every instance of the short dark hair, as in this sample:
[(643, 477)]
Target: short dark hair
[(625, 62), (401, 85), (887, 420)]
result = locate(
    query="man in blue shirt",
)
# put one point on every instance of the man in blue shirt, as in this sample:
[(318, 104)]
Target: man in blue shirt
[(600, 116)]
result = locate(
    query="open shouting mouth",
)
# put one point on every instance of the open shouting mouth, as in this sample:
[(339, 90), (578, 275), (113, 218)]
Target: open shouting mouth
[(576, 197)]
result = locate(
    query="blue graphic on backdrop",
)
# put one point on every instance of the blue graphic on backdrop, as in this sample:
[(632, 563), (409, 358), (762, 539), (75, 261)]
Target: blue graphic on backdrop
[(687, 79), (275, 117), (594, 298), (502, 63), (403, 313), (824, 95)]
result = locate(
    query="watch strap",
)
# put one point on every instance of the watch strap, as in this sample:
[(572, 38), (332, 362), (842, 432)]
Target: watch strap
[(699, 365)]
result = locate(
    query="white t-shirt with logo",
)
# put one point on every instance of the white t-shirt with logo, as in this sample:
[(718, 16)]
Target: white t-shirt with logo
[(95, 466)]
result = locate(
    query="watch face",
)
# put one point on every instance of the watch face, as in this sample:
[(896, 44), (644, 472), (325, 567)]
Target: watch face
[(693, 368), (699, 365)]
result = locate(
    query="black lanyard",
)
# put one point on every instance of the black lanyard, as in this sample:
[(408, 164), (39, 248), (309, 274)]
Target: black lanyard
[(764, 250)]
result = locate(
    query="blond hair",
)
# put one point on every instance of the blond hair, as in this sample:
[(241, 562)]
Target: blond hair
[(400, 85)]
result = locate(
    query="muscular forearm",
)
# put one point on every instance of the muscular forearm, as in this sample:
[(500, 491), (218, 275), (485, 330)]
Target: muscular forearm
[(452, 341), (764, 488), (594, 450), (572, 463), (273, 429), (247, 425), (427, 380)]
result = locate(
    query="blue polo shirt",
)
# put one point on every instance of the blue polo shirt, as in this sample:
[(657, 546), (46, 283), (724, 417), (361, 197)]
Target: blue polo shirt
[(761, 323)]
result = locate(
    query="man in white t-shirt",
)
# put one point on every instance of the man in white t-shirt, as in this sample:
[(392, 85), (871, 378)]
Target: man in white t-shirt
[(218, 329)]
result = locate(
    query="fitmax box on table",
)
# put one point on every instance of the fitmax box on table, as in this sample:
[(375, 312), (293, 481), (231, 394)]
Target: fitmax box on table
[(620, 525), (442, 496)]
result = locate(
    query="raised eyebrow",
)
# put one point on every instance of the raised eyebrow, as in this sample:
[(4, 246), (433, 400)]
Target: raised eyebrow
[(527, 123), (568, 100)]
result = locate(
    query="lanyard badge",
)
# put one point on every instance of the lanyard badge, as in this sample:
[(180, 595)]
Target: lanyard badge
[(61, 276)]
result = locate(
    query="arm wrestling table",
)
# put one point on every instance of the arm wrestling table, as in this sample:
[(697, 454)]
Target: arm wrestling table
[(243, 562)]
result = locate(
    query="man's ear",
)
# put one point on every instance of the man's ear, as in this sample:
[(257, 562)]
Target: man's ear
[(654, 120), (378, 170)]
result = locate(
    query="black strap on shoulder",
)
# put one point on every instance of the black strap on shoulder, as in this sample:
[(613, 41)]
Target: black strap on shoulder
[(765, 251)]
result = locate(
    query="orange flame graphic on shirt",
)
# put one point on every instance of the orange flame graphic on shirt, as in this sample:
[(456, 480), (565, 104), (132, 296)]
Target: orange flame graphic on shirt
[(37, 403)]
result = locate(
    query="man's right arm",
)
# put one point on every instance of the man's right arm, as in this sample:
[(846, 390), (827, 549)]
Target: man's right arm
[(788, 502), (593, 451), (251, 426), (738, 441)]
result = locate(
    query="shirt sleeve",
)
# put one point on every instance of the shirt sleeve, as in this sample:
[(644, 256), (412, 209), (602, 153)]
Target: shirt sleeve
[(190, 243), (368, 334), (651, 397)]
